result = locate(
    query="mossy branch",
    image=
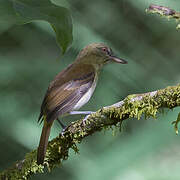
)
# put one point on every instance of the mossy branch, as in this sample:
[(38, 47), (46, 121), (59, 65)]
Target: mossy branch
[(165, 12), (136, 105)]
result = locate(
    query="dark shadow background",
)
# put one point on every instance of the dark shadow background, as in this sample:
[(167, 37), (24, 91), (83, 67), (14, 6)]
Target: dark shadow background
[(30, 58)]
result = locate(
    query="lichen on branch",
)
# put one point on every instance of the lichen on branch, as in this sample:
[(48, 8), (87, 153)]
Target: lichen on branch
[(136, 105), (164, 12)]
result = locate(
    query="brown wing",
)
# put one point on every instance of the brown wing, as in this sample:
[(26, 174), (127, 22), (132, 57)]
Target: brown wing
[(66, 90)]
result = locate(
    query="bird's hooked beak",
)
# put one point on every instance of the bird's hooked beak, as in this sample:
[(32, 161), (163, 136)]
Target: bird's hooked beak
[(118, 60)]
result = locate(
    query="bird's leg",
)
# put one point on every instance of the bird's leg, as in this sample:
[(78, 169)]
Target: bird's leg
[(62, 125), (75, 113), (80, 112)]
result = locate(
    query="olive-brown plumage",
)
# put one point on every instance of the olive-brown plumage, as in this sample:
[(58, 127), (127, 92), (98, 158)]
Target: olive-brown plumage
[(72, 88)]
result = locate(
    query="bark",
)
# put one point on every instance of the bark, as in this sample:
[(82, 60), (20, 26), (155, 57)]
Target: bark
[(165, 12), (136, 106)]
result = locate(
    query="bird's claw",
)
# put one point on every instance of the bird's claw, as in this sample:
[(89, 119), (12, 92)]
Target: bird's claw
[(84, 120)]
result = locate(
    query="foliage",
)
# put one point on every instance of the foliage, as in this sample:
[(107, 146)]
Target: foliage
[(29, 59), (23, 11)]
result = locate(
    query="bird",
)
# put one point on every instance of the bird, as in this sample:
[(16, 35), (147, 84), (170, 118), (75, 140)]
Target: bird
[(72, 88)]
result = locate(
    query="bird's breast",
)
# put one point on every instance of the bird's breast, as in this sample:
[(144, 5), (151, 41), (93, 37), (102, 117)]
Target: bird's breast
[(86, 96)]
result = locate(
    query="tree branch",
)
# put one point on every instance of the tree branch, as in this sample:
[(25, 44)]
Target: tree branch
[(165, 12), (136, 105)]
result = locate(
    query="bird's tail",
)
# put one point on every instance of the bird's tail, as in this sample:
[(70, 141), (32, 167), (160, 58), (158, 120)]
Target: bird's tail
[(43, 142)]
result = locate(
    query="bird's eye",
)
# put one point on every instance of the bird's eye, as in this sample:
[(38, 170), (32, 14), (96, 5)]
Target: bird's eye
[(106, 50)]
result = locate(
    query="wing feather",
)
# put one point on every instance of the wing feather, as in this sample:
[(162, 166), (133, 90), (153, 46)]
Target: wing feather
[(66, 90)]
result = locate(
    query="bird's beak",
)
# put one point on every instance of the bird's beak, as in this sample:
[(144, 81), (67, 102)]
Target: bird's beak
[(118, 60)]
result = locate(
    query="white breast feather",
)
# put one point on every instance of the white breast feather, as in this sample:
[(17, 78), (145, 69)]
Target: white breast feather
[(86, 96)]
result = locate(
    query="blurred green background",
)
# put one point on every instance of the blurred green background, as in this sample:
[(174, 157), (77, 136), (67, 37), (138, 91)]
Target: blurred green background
[(30, 58)]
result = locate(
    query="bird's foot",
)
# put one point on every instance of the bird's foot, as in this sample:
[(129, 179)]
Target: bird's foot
[(63, 131), (86, 117), (88, 113), (84, 120)]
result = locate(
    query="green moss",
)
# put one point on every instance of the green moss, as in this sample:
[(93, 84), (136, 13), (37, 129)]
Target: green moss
[(167, 13), (134, 106), (147, 105)]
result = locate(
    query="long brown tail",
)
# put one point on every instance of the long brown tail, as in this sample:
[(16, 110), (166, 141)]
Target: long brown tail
[(43, 142)]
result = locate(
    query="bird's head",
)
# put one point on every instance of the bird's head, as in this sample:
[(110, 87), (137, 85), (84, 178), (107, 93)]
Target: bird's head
[(98, 54)]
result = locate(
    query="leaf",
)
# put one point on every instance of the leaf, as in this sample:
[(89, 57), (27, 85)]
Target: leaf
[(25, 11)]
